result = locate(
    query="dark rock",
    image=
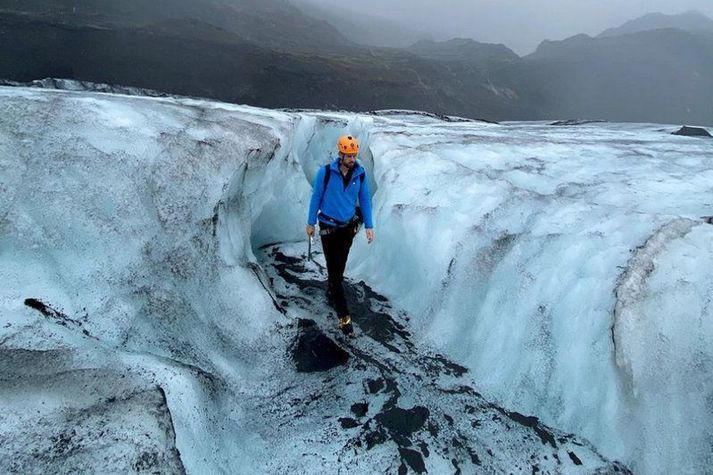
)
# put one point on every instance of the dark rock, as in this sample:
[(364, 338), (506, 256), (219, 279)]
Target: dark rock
[(314, 351), (375, 385), (413, 459), (375, 438), (348, 423), (360, 409), (424, 449), (57, 316), (532, 422), (574, 458), (474, 456), (570, 122), (403, 422), (692, 132), (50, 312)]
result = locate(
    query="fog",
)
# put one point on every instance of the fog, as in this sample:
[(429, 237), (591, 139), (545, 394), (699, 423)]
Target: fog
[(519, 24)]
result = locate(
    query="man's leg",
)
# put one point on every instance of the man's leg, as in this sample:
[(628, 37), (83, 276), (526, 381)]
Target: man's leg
[(345, 236), (345, 244), (336, 249), (332, 247)]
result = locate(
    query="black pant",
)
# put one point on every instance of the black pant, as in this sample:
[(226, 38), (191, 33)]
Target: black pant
[(336, 247)]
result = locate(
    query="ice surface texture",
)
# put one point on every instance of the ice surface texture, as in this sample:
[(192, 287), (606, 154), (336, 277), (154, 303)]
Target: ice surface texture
[(566, 267), (129, 221)]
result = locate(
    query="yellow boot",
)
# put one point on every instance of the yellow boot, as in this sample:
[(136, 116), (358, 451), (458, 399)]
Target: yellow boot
[(345, 324)]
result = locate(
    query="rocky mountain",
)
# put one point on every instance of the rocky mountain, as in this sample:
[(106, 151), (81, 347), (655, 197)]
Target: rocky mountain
[(271, 54), (274, 24), (464, 49), (692, 21), (198, 56), (663, 75), (363, 28)]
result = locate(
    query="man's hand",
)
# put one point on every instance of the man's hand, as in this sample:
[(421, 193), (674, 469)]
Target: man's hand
[(370, 235), (310, 230)]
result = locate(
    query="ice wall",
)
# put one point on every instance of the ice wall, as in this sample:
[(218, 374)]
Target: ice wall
[(128, 222), (509, 243), (663, 334)]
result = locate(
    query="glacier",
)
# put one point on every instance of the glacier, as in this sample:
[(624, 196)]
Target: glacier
[(156, 293)]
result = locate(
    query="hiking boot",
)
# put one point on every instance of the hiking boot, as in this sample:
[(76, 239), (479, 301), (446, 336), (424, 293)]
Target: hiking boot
[(345, 324)]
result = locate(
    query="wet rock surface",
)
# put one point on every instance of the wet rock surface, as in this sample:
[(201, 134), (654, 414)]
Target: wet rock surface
[(387, 404), (573, 122), (692, 132), (314, 351)]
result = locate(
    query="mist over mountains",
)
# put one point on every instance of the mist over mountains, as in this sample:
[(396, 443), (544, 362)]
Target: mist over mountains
[(271, 53), (364, 28), (691, 21)]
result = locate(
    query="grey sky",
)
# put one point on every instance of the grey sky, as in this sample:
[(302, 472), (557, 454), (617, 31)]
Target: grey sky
[(519, 24)]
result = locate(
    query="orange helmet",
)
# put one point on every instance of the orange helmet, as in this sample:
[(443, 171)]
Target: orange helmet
[(348, 144)]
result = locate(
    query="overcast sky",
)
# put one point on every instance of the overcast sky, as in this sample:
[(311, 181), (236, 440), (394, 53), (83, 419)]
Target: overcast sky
[(519, 24)]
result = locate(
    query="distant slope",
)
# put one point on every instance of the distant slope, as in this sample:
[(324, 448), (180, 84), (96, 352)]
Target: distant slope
[(193, 58), (662, 75), (691, 21), (202, 57), (267, 53), (362, 28), (268, 23), (464, 49)]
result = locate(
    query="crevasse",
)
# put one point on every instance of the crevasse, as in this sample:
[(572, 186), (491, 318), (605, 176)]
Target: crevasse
[(514, 248)]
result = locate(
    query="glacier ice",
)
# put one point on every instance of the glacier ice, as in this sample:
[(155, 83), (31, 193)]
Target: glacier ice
[(515, 248), (566, 267)]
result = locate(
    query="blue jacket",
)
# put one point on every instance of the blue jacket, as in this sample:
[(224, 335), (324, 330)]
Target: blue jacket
[(340, 202)]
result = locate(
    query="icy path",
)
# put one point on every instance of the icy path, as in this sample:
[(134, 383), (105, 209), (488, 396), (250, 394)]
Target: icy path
[(314, 401), (378, 403)]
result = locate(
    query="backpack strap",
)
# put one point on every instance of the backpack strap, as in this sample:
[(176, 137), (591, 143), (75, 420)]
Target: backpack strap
[(326, 182), (326, 177)]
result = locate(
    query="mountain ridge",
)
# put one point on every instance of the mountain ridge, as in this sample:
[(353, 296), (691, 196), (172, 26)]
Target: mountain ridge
[(663, 75), (363, 28), (692, 21), (309, 67)]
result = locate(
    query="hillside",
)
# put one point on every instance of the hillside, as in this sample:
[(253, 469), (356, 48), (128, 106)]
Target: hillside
[(661, 75), (192, 56), (270, 54), (691, 21)]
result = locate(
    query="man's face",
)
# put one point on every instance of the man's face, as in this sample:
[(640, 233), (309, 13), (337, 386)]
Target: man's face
[(348, 159)]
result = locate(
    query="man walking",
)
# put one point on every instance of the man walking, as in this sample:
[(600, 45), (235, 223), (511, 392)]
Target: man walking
[(336, 190)]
